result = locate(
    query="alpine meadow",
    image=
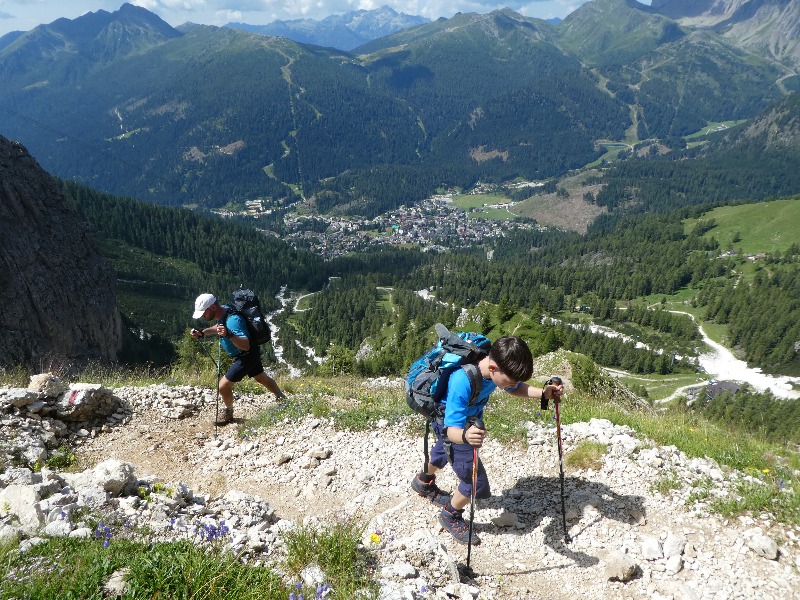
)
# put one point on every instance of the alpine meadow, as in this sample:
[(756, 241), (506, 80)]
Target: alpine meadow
[(618, 189)]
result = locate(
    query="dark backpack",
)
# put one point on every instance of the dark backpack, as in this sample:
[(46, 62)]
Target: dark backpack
[(246, 304), (426, 380)]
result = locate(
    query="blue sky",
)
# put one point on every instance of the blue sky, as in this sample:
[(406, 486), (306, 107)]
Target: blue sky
[(24, 15)]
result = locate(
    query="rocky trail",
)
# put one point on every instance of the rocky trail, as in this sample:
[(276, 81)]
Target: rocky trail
[(628, 541)]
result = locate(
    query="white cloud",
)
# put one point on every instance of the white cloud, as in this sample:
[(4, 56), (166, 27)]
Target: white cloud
[(169, 5)]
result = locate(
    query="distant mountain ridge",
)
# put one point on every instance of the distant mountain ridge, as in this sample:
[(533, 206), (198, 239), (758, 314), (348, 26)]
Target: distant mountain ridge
[(343, 32), (9, 38), (204, 115), (76, 45)]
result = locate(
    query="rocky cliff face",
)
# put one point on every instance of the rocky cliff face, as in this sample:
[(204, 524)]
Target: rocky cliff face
[(699, 12), (765, 27), (57, 299)]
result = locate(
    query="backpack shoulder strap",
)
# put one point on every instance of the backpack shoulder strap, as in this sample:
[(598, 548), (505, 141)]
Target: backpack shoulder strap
[(475, 381), (229, 312)]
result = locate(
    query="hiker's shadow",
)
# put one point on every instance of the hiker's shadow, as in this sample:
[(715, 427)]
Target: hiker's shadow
[(537, 500)]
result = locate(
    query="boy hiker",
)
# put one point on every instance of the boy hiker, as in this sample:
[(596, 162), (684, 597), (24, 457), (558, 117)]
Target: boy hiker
[(508, 364), (232, 331)]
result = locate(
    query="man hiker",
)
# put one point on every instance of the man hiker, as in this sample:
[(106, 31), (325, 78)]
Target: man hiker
[(232, 332), (508, 365)]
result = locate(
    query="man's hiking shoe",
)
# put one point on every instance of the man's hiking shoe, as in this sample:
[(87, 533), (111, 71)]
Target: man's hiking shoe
[(226, 417), (454, 523), (430, 491)]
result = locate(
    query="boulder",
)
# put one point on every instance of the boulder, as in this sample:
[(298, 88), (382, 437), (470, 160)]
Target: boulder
[(22, 501)]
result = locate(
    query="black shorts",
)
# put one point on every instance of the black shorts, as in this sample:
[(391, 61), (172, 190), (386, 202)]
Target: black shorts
[(247, 363)]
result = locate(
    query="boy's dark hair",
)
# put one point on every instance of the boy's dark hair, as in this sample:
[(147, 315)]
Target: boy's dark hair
[(513, 357)]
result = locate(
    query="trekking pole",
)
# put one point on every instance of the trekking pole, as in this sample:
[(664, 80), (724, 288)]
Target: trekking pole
[(479, 424), (567, 539), (216, 401), (218, 362)]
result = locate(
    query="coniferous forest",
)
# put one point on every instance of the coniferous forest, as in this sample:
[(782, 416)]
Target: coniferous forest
[(367, 304)]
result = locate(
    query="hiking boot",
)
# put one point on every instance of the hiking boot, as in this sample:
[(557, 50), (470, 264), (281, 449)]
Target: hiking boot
[(454, 523), (430, 491), (226, 417)]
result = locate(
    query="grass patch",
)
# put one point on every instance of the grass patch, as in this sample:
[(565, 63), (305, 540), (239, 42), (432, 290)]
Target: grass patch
[(111, 376), (690, 433), (336, 550), (61, 458), (698, 438), (64, 568), (352, 406), (716, 331), (766, 492), (658, 386), (754, 228), (506, 416), (14, 377), (468, 201), (665, 485), (713, 127), (587, 455)]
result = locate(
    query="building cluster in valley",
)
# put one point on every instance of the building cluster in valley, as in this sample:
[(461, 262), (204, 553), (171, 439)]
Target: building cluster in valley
[(432, 224)]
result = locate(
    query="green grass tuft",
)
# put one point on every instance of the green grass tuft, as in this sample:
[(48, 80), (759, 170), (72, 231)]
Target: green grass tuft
[(587, 455), (336, 549), (665, 485)]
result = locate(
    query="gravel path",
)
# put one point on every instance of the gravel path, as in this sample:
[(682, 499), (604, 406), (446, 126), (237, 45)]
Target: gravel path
[(309, 470)]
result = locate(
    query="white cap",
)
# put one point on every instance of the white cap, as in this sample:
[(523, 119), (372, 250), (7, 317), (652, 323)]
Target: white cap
[(202, 304)]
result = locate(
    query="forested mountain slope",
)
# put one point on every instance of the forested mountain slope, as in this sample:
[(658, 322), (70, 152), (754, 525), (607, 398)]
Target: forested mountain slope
[(212, 115), (751, 162)]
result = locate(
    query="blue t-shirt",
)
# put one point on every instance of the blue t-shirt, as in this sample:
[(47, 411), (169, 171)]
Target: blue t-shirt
[(236, 326), (456, 403)]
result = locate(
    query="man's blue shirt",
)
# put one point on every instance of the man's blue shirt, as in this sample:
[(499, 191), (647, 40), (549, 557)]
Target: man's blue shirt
[(236, 326)]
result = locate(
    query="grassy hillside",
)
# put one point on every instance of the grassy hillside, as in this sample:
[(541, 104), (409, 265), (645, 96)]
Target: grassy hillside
[(751, 229)]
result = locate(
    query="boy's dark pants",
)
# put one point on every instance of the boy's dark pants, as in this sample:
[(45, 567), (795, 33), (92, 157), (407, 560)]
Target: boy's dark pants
[(460, 458)]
